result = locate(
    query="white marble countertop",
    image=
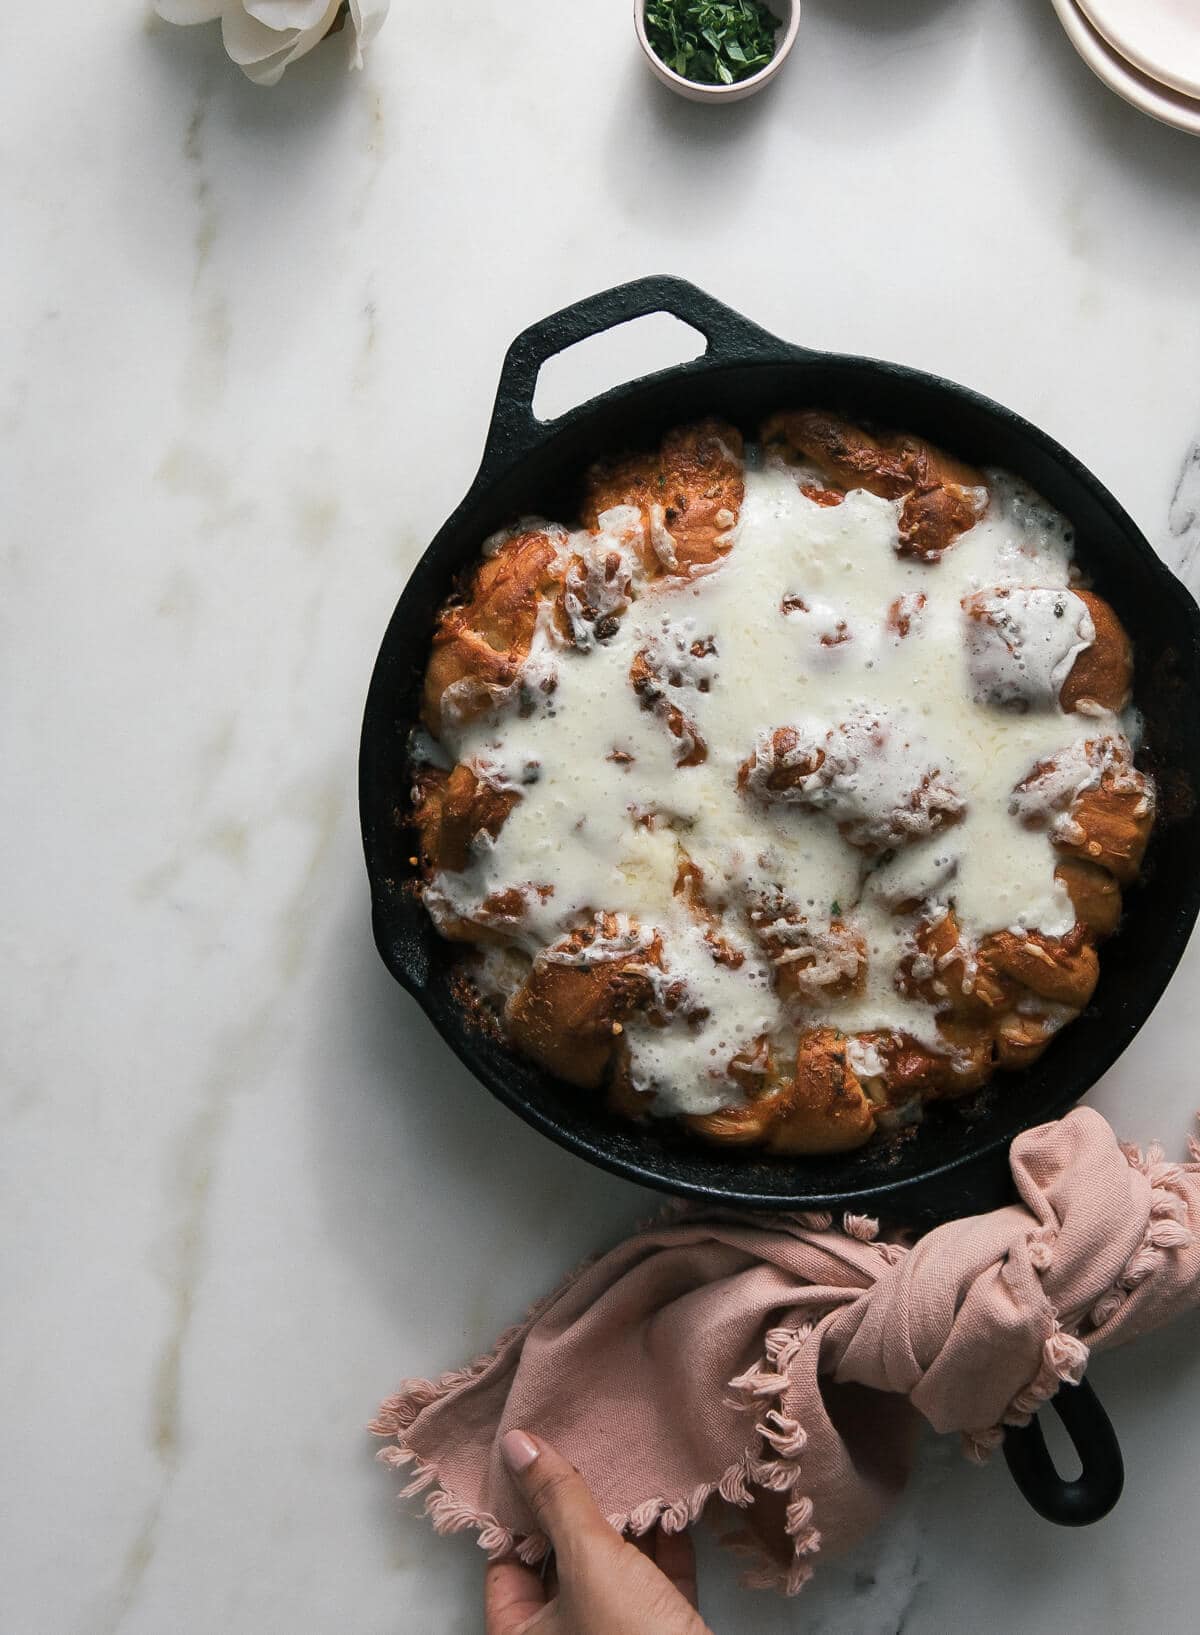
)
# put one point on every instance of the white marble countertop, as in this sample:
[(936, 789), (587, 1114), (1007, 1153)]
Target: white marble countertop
[(249, 348)]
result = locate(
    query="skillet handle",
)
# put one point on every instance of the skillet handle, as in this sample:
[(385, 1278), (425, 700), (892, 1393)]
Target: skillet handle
[(1098, 1486), (515, 429)]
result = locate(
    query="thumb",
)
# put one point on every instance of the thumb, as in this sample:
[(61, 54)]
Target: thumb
[(556, 1493)]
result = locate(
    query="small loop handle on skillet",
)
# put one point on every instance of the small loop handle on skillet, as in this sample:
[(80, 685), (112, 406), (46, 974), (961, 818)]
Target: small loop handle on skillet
[(515, 429), (1098, 1486)]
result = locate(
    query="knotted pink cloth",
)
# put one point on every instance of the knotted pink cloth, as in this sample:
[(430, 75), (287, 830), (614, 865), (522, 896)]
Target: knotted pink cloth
[(777, 1365)]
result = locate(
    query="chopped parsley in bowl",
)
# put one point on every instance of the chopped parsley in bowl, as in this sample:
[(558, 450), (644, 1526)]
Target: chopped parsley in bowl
[(712, 42)]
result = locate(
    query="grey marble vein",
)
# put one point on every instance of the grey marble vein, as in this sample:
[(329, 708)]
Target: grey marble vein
[(1183, 520)]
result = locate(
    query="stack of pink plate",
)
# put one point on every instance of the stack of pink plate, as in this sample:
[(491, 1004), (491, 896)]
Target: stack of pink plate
[(1147, 51)]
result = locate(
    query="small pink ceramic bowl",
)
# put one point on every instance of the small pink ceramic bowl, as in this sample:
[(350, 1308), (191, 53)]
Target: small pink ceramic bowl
[(785, 39)]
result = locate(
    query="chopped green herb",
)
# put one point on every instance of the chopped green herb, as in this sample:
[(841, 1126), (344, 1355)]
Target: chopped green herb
[(835, 908), (710, 42)]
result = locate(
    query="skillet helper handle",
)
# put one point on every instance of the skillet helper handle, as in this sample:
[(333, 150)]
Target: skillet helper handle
[(1098, 1486), (515, 429)]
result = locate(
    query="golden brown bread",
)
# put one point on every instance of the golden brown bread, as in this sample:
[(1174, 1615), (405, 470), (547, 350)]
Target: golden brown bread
[(970, 1059), (1022, 1037), (480, 644), (1063, 970), (822, 496), (941, 971), (496, 921), (846, 455), (827, 1108), (811, 964), (931, 519), (1103, 672), (1095, 895), (451, 809), (939, 504), (1109, 824), (914, 1070), (689, 494), (569, 1012), (1002, 968), (1113, 829), (1000, 1002), (821, 1107)]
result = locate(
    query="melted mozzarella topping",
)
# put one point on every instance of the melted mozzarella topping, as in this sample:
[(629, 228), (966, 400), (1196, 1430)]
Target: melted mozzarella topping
[(1022, 642), (799, 625)]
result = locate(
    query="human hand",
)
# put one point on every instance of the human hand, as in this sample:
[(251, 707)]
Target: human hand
[(605, 1585)]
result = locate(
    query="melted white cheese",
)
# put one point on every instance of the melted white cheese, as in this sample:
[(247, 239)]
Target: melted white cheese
[(791, 628), (1023, 642)]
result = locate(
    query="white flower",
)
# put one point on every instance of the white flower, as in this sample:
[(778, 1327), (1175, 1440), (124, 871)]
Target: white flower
[(263, 36)]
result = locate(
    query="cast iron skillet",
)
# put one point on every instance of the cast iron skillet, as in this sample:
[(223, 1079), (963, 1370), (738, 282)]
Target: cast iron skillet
[(956, 1162)]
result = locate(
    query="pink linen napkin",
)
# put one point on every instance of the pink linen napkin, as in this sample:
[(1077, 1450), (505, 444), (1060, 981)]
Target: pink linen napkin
[(776, 1365)]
